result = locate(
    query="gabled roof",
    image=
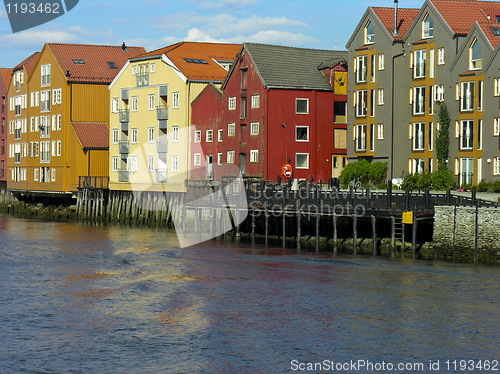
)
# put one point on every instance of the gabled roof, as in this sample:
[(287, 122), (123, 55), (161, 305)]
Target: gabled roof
[(92, 135), (5, 77), (406, 16), (488, 32), (92, 63), (29, 64), (198, 60), (291, 67), (460, 15)]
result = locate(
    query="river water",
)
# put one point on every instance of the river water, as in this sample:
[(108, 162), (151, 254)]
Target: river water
[(85, 299)]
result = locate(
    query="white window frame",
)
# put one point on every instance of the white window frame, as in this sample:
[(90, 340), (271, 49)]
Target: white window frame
[(254, 128), (197, 159), (175, 100), (361, 69), (301, 99), (135, 135), (114, 137), (467, 134), (297, 160), (114, 105), (45, 75), (360, 102), (360, 137), (197, 136), (380, 96), (496, 126), (114, 163), (419, 100), (496, 88), (219, 158), (441, 56), (467, 96), (381, 61), (175, 163), (175, 134), (296, 134), (151, 164), (230, 157), (475, 63), (209, 136), (151, 134), (380, 131), (135, 103), (369, 35), (151, 102), (254, 156), (231, 105), (220, 135), (255, 101), (420, 63), (231, 129), (427, 27), (496, 166), (419, 136)]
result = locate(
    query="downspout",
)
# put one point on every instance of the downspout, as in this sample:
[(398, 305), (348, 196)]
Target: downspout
[(392, 109)]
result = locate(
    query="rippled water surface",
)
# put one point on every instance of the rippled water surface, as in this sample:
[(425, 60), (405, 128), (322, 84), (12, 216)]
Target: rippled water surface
[(83, 299)]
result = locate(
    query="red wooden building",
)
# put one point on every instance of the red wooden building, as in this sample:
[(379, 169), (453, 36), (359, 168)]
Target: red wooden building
[(279, 105)]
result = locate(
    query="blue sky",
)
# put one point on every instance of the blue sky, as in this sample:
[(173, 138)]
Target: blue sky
[(152, 24)]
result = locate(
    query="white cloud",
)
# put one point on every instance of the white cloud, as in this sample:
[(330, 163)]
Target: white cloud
[(196, 35), (36, 38), (281, 37), (223, 4)]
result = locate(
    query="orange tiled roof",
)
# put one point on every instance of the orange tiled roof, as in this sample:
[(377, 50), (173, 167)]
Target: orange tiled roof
[(208, 52), (460, 15), (89, 63), (5, 76), (406, 16), (29, 63), (92, 135), (487, 29)]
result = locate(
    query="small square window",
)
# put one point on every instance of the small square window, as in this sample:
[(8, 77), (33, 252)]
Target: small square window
[(302, 133), (220, 135), (197, 136), (302, 106), (210, 136), (254, 128), (302, 160)]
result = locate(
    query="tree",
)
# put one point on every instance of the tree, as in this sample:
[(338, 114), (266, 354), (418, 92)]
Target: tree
[(443, 137)]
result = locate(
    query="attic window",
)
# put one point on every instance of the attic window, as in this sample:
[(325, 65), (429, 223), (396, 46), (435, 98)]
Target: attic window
[(78, 61), (195, 61), (225, 64), (496, 31), (112, 65)]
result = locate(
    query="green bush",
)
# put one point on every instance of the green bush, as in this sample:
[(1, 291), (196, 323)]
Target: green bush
[(440, 180), (368, 174)]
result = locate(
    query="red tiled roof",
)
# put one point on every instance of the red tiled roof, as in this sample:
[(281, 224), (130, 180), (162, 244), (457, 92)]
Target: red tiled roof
[(92, 60), (460, 15), (92, 135), (29, 64), (487, 29), (406, 16), (211, 71), (5, 76)]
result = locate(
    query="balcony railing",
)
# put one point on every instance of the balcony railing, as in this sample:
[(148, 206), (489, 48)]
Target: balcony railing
[(161, 176), (93, 182), (123, 176), (161, 145), (161, 113), (124, 147), (124, 115), (142, 80)]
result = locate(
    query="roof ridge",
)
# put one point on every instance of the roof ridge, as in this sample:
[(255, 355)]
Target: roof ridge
[(293, 47)]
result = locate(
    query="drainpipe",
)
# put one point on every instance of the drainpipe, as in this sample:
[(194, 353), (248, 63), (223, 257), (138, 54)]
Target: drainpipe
[(392, 109)]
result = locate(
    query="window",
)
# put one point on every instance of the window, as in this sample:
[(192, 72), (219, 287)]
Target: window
[(175, 100), (496, 91), (231, 129), (372, 68), (114, 105), (135, 103), (151, 134), (302, 106), (431, 136), (480, 96), (209, 136), (475, 55), (419, 136), (372, 137), (467, 96), (419, 100), (361, 69), (45, 101), (114, 163), (152, 67), (302, 160), (134, 70), (134, 136), (420, 63), (220, 135), (57, 96), (381, 61), (45, 70), (230, 157), (369, 33), (243, 109), (254, 128), (197, 159), (339, 111), (441, 59), (35, 174), (431, 63), (360, 137), (439, 93), (219, 158), (232, 103), (428, 27), (496, 126), (53, 175), (380, 96), (255, 101), (372, 102), (418, 165), (496, 166), (361, 98), (151, 102), (197, 136), (480, 134), (175, 163), (175, 134), (45, 151), (302, 133), (115, 136), (380, 131), (254, 156), (467, 134)]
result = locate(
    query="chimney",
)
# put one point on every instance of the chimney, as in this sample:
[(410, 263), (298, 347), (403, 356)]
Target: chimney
[(395, 31), (124, 46)]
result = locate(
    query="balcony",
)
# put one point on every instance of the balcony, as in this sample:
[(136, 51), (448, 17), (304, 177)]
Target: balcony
[(96, 183), (162, 145), (142, 80), (124, 115), (124, 147), (161, 176), (162, 113), (123, 176)]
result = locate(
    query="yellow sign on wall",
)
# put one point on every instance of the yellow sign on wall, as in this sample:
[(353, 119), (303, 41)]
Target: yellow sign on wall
[(408, 218)]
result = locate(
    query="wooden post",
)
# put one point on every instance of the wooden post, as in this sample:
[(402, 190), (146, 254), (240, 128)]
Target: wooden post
[(334, 220), (283, 227), (414, 236), (476, 232), (253, 225), (317, 229), (355, 234), (374, 235), (299, 216), (266, 224), (393, 234)]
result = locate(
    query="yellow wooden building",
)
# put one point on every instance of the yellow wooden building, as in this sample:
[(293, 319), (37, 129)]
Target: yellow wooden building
[(59, 135), (151, 111)]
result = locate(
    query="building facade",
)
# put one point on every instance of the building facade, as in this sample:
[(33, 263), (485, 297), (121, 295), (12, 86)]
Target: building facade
[(5, 78), (280, 105), (408, 61), (59, 135), (151, 113)]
